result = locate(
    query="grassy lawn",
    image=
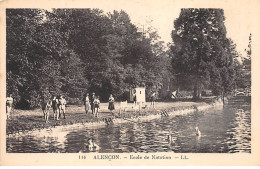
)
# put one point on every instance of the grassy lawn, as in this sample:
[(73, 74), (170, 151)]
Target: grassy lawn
[(24, 120)]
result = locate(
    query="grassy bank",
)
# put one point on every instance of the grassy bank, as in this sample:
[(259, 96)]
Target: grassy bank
[(27, 120)]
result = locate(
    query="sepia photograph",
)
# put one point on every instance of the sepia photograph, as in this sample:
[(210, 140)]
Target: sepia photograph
[(143, 80)]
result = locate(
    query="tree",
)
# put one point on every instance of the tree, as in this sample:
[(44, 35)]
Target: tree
[(247, 63), (201, 53), (38, 57), (73, 51), (22, 55)]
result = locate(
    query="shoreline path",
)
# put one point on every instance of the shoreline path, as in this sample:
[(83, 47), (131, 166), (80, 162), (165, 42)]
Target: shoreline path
[(28, 120)]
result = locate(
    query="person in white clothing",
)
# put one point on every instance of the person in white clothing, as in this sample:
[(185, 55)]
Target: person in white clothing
[(61, 106), (9, 104), (87, 103)]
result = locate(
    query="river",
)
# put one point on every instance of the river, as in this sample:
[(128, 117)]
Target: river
[(226, 130)]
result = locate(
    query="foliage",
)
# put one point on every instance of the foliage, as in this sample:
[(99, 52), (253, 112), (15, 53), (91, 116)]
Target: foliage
[(246, 74), (73, 51), (201, 53)]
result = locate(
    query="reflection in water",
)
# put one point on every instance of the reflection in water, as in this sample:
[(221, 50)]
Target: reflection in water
[(239, 135), (221, 131)]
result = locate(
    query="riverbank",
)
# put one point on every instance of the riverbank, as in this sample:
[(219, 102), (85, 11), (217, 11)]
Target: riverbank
[(23, 121)]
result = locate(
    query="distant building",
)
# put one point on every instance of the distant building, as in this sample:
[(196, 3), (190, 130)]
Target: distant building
[(139, 92)]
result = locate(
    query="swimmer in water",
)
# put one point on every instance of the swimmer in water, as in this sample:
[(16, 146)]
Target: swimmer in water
[(198, 133), (92, 146), (170, 139)]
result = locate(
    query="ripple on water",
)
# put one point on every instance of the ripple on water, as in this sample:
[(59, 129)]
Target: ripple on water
[(222, 131)]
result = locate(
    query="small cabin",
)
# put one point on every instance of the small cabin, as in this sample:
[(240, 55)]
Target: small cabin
[(139, 92)]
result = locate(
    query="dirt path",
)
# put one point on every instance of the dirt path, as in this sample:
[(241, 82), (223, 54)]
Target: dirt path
[(26, 120)]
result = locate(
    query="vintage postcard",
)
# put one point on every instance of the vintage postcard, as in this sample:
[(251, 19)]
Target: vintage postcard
[(133, 82)]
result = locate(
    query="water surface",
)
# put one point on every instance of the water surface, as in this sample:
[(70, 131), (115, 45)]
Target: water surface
[(226, 130)]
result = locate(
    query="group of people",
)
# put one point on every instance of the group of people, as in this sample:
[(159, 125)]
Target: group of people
[(93, 103), (58, 105)]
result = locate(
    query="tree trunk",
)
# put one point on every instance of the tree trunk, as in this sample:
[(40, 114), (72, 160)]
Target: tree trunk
[(197, 92), (223, 97)]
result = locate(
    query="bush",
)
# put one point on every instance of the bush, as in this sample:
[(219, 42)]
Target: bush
[(74, 101)]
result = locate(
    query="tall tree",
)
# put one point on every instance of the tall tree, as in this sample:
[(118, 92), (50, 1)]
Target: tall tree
[(74, 51), (247, 63), (22, 54), (201, 51)]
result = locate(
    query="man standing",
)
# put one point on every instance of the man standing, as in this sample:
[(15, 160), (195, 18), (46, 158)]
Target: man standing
[(96, 106), (55, 107), (46, 106), (92, 102), (9, 104), (153, 98), (61, 106)]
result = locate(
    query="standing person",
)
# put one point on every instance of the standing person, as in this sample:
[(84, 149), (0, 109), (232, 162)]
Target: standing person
[(61, 106), (55, 107), (46, 106), (96, 105), (134, 96), (9, 104), (111, 105), (92, 102), (153, 98), (87, 103)]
